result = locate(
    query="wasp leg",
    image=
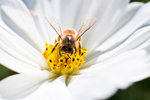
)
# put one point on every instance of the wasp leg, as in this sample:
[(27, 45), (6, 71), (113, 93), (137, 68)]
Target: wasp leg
[(75, 49), (54, 47), (79, 46), (60, 51), (68, 56), (71, 52)]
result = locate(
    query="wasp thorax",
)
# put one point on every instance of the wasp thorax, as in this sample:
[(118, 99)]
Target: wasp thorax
[(68, 41)]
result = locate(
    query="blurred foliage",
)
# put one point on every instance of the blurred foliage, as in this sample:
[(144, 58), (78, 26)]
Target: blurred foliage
[(140, 0), (4, 72), (138, 91)]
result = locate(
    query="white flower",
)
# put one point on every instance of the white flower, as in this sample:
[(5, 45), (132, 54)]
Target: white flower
[(118, 47)]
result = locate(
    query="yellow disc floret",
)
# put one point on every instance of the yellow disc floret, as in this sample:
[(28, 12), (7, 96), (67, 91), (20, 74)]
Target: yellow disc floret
[(62, 63)]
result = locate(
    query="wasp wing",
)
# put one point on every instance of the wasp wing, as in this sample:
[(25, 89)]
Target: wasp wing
[(86, 25), (55, 25)]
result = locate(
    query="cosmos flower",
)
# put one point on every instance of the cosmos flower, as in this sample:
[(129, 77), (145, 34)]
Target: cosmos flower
[(116, 55)]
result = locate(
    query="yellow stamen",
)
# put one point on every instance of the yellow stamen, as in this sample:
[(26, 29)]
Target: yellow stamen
[(64, 63)]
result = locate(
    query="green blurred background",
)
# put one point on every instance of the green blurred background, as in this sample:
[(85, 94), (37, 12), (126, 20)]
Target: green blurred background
[(140, 1), (138, 91)]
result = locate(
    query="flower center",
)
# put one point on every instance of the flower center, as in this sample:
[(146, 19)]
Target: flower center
[(63, 63)]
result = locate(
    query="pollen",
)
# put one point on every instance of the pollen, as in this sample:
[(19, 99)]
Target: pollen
[(63, 63)]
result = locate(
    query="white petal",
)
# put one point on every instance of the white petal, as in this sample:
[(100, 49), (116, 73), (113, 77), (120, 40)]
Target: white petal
[(37, 9), (135, 40), (108, 16), (138, 38), (145, 45), (17, 47), (48, 34), (30, 3), (91, 88), (17, 65), (17, 17), (139, 20), (74, 12), (130, 11), (40, 10), (55, 90), (45, 8), (69, 11), (102, 80), (21, 85)]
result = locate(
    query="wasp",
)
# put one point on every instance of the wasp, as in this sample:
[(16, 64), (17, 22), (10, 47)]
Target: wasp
[(69, 41)]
